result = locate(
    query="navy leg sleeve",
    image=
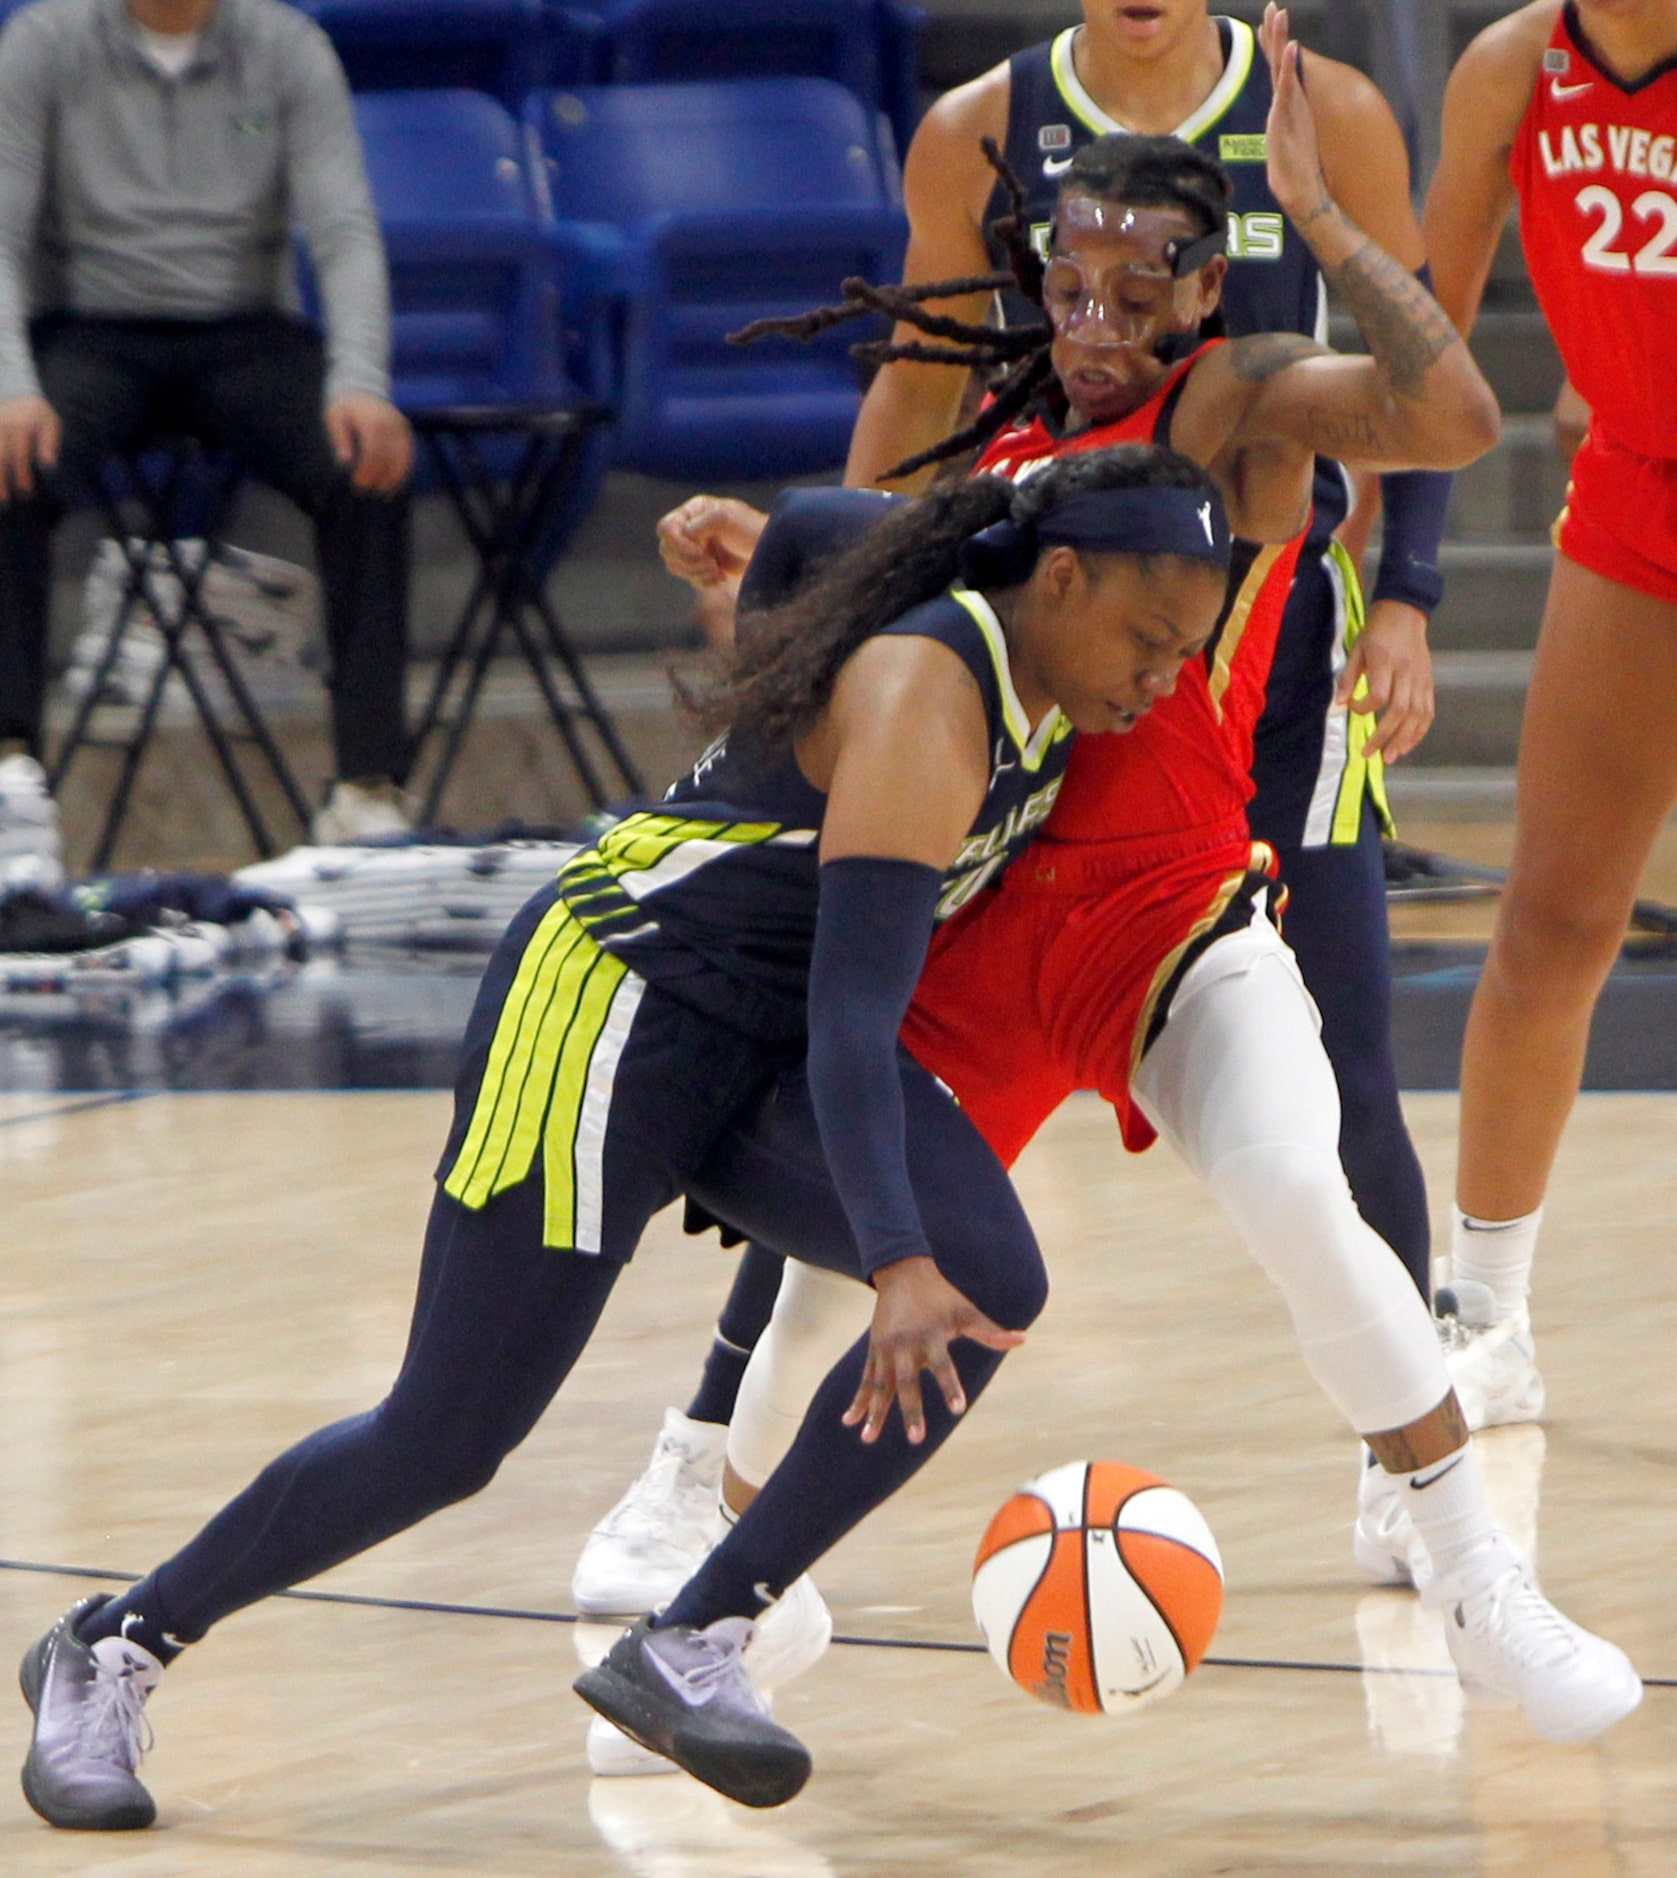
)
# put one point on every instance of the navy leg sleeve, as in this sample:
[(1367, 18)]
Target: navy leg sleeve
[(498, 1322), (1336, 924), (830, 1481), (744, 1319)]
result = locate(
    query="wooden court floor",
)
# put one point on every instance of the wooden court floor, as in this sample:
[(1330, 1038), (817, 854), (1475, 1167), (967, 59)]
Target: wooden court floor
[(192, 1281)]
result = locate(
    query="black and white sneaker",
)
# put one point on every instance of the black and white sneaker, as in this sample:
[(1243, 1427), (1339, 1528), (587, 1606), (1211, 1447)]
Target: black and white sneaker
[(90, 1727), (687, 1695)]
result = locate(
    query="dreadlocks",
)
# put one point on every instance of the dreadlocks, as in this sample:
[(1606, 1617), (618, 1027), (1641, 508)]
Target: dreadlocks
[(1146, 172)]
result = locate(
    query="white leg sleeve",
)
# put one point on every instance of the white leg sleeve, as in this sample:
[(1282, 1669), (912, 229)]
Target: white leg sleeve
[(1239, 1083), (817, 1316)]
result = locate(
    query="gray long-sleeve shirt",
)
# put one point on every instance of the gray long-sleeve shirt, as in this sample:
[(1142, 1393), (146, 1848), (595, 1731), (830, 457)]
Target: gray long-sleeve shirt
[(124, 192)]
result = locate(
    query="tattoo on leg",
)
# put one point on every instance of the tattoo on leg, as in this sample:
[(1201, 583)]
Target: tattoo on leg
[(1419, 1443)]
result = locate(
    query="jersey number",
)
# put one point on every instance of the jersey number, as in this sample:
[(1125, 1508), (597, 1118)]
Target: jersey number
[(1655, 256)]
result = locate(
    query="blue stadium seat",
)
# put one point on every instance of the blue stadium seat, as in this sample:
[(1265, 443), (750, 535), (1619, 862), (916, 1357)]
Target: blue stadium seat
[(503, 47), (685, 211), (472, 274), (871, 47)]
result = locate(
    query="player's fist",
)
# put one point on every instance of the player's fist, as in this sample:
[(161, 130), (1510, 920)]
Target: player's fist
[(709, 540)]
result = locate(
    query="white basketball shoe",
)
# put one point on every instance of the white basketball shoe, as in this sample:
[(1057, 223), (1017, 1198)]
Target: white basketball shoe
[(1384, 1542), (1511, 1646), (1491, 1356), (790, 1637), (31, 846), (654, 1539)]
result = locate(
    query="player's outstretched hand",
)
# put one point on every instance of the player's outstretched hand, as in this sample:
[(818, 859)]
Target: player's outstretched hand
[(918, 1315), (709, 540), (1294, 155)]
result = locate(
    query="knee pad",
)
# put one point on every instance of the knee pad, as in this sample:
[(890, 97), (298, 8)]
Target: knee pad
[(1365, 1333), (817, 1316)]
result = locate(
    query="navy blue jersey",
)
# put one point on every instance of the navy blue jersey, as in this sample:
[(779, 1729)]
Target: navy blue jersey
[(713, 897), (1273, 283)]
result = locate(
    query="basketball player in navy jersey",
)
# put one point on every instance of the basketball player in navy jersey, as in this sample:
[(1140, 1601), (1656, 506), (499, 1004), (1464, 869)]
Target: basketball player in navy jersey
[(1163, 67), (700, 981)]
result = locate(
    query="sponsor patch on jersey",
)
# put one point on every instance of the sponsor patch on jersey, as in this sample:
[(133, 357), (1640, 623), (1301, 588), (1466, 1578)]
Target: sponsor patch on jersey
[(1557, 60), (1054, 137), (1252, 147)]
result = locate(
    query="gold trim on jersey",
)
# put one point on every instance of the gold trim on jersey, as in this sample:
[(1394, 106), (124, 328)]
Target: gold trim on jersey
[(547, 1080), (1242, 49), (1032, 745), (1260, 861), (1234, 627)]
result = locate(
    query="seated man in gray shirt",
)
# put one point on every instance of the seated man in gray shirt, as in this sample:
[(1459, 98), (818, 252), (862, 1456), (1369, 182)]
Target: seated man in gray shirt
[(154, 156)]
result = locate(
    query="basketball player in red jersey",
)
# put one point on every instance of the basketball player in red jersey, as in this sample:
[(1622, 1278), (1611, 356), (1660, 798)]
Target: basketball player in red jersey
[(1135, 954), (1172, 67), (1572, 112)]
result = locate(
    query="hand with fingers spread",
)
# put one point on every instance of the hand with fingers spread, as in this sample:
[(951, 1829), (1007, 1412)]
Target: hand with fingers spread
[(29, 438), (1294, 154), (709, 540), (1393, 655), (918, 1316)]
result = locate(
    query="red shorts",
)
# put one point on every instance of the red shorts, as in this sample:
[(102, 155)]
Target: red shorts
[(1061, 978), (1620, 519)]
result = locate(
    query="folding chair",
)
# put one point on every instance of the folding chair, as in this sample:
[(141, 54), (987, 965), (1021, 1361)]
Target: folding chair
[(151, 499), (515, 442), (782, 187)]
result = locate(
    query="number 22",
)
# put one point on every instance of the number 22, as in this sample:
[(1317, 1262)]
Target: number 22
[(1655, 257)]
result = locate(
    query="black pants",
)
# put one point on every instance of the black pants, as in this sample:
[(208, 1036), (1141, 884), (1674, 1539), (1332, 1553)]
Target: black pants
[(252, 385)]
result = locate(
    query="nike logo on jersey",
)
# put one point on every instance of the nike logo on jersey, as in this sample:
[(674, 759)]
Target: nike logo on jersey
[(762, 1593), (1205, 522), (1422, 1481), (1056, 166), (1561, 93)]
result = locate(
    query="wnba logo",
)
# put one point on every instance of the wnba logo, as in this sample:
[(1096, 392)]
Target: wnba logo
[(1056, 1665)]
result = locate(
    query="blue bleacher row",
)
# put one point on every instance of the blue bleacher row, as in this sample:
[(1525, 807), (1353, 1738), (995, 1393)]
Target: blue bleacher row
[(606, 243)]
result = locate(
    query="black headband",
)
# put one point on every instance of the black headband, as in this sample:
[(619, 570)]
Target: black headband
[(1149, 520)]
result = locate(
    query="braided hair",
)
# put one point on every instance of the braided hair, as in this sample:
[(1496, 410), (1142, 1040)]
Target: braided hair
[(780, 675), (1142, 171)]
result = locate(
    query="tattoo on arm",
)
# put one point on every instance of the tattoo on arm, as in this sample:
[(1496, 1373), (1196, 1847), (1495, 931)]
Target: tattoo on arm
[(1406, 329), (1264, 354)]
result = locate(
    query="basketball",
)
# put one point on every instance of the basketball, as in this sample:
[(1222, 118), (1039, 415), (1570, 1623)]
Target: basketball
[(1098, 1587)]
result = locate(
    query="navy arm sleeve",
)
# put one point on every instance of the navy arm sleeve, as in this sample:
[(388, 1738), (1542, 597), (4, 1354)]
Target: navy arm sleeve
[(871, 933), (1415, 503)]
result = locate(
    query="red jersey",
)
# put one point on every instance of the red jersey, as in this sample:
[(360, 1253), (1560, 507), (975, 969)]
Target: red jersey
[(1181, 778), (1595, 165)]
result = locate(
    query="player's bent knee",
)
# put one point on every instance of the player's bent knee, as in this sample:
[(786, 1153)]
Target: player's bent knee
[(1362, 1326)]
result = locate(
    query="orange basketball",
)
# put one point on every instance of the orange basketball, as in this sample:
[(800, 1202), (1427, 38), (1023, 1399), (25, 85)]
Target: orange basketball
[(1098, 1587)]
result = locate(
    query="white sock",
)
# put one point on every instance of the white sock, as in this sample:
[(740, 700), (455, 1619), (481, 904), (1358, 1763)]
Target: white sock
[(1446, 1500), (1497, 1253)]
